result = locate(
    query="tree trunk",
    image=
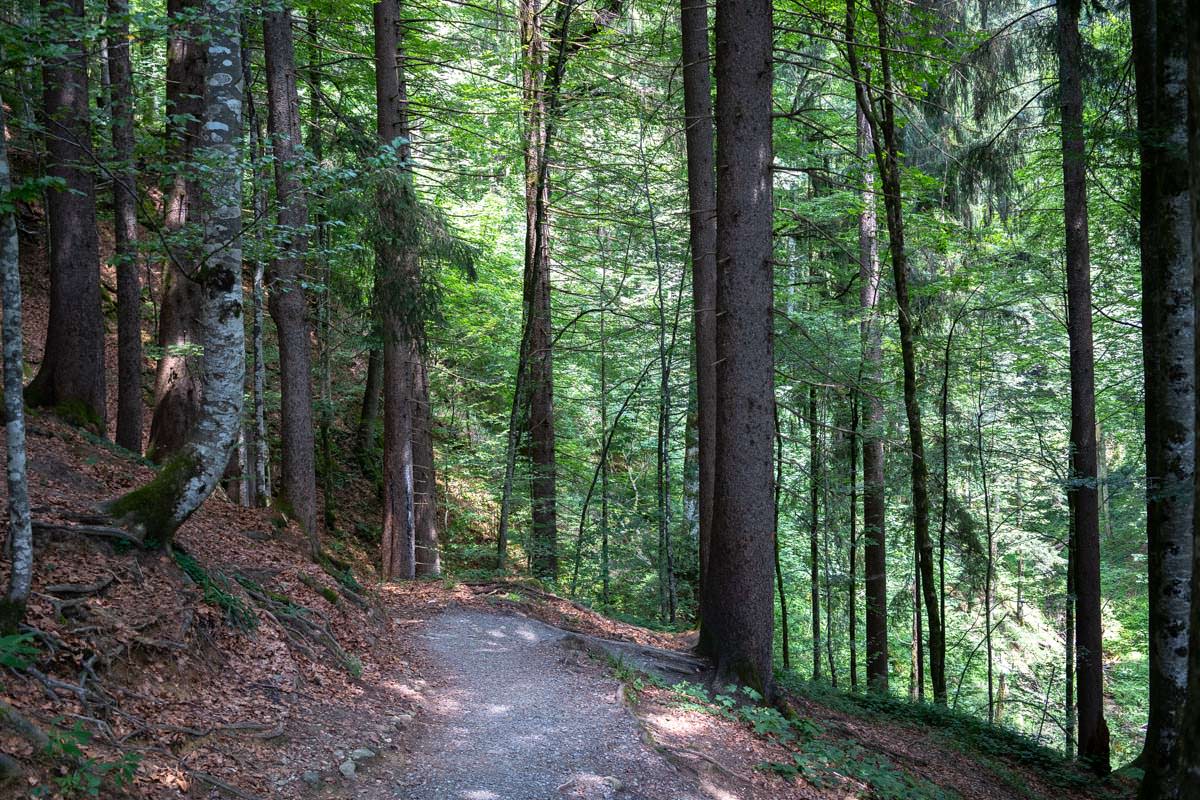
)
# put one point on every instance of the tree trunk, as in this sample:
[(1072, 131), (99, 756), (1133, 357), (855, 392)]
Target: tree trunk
[(697, 104), (396, 270), (257, 454), (125, 233), (1190, 745), (156, 510), (1168, 342), (177, 390), (1089, 643), (429, 562), (286, 300), (372, 390), (874, 511), (814, 584), (852, 594), (885, 140), (71, 376), (20, 537), (785, 644), (738, 604)]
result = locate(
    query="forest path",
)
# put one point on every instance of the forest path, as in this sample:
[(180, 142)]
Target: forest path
[(516, 716)]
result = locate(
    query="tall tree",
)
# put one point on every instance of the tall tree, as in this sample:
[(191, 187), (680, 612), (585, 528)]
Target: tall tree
[(1168, 333), (19, 541), (1190, 745), (702, 202), (874, 510), (125, 233), (738, 598), (285, 278), (71, 376), (395, 268), (885, 139), (1089, 640), (429, 562), (156, 510), (177, 382)]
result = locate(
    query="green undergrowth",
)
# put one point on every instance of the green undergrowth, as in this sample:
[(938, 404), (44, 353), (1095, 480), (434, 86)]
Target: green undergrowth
[(218, 591), (994, 747)]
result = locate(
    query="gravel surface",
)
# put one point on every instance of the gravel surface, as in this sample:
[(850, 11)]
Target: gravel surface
[(517, 717)]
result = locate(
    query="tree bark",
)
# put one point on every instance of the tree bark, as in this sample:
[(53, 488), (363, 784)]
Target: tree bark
[(1190, 746), (852, 594), (785, 633), (702, 202), (738, 602), (257, 448), (125, 233), (814, 583), (429, 562), (885, 140), (1089, 643), (177, 382), (874, 511), (71, 377), (155, 511), (1168, 344), (20, 536), (372, 390), (286, 300), (396, 264)]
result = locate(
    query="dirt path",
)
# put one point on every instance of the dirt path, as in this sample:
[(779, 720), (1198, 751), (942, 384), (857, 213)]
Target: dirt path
[(517, 717)]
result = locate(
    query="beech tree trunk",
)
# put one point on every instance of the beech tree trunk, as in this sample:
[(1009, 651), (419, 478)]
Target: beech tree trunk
[(20, 536), (1089, 642), (738, 596), (71, 376), (370, 404), (1168, 343), (177, 381), (702, 203), (874, 542), (287, 301), (155, 511), (257, 454), (125, 233)]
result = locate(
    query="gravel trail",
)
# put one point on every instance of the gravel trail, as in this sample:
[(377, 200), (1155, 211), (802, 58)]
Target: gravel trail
[(517, 717)]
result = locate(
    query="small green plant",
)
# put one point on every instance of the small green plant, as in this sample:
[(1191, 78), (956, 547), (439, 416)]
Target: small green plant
[(85, 776), (17, 650), (218, 591)]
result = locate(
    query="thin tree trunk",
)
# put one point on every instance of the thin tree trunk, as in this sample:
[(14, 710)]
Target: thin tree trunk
[(1069, 637), (429, 563), (874, 511), (1168, 341), (1089, 654), (698, 134), (369, 416), (887, 158), (783, 613), (738, 597), (125, 233), (852, 594), (177, 381), (156, 510), (991, 550), (285, 278), (257, 442), (814, 583), (71, 377), (325, 304), (20, 537)]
